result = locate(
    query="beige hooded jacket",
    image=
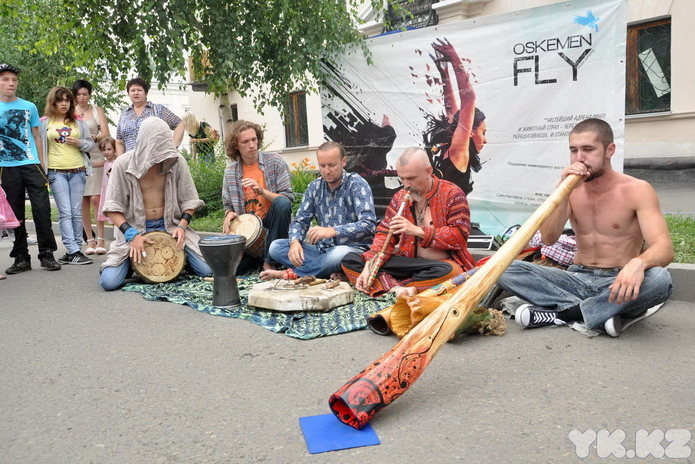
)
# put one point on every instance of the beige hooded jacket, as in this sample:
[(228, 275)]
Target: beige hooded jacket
[(123, 195)]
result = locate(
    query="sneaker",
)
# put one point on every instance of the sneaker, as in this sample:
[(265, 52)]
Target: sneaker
[(49, 262), (31, 240), (78, 258), (530, 317), (65, 259), (616, 324), (21, 264)]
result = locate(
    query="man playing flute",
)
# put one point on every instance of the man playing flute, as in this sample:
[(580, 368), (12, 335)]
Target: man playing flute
[(429, 240)]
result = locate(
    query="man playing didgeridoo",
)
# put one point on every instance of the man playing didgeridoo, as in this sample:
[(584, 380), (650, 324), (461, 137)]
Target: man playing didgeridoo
[(623, 246), (342, 204), (150, 188), (429, 243)]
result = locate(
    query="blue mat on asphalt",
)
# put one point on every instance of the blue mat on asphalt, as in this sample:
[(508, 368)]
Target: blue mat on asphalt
[(197, 293), (326, 433)]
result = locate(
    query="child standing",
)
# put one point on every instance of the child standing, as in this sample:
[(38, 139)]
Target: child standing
[(108, 149)]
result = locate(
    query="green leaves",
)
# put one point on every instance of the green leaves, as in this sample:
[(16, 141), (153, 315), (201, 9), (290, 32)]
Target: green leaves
[(261, 48)]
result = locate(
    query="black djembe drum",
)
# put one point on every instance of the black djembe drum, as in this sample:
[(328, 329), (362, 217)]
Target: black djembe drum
[(223, 254)]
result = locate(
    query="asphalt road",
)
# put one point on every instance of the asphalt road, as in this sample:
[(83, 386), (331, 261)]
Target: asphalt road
[(90, 376)]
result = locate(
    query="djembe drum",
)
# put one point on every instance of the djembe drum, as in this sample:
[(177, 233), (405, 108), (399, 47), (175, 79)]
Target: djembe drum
[(251, 227), (162, 261), (223, 254)]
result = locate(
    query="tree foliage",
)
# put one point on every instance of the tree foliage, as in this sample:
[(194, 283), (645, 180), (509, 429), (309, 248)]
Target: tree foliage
[(263, 49), (24, 43)]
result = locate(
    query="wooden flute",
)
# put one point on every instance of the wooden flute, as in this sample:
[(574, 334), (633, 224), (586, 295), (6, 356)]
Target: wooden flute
[(378, 260)]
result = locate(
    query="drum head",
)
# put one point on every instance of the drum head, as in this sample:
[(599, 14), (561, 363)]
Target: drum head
[(221, 240), (248, 225), (163, 261)]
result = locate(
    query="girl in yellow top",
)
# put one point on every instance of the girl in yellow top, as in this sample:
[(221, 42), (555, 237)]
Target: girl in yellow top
[(66, 141)]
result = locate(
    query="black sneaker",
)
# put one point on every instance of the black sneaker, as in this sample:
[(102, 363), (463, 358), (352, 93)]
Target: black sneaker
[(530, 317), (78, 258), (65, 259), (49, 262), (21, 264)]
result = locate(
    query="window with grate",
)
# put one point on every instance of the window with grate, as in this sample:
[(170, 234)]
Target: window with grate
[(296, 127), (648, 72), (411, 14)]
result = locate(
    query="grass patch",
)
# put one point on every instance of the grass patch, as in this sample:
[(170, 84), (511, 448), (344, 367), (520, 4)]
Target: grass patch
[(682, 230)]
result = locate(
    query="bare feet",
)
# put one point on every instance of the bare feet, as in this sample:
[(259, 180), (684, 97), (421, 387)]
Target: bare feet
[(268, 266), (403, 291), (2, 277), (339, 276), (270, 274)]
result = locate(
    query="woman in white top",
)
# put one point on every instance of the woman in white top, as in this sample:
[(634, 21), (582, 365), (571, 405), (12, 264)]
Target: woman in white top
[(98, 126)]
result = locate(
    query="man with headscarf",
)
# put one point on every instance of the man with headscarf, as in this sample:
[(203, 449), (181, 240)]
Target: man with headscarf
[(150, 189)]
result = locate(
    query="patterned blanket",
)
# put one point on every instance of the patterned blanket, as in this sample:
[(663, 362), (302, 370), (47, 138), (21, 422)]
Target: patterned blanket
[(195, 292)]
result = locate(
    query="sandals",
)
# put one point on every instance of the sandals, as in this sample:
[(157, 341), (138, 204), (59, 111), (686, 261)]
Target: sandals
[(90, 250), (100, 250)]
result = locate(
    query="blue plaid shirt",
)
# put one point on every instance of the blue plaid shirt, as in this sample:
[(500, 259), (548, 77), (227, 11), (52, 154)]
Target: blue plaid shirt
[(349, 209), (129, 123)]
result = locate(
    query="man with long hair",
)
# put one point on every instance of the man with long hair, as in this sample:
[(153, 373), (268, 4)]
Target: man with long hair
[(256, 182)]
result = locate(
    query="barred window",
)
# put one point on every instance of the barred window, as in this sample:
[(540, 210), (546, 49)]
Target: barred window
[(296, 127), (411, 14), (648, 86)]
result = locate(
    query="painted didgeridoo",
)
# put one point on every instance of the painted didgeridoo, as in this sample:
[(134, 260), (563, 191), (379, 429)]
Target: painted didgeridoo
[(377, 386)]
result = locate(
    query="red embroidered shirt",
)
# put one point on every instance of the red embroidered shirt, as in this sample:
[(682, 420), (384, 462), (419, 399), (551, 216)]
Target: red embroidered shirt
[(451, 219)]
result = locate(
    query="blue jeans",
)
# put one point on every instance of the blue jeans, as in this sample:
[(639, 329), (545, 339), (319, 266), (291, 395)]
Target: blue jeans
[(583, 287), (113, 277), (68, 190), (316, 262)]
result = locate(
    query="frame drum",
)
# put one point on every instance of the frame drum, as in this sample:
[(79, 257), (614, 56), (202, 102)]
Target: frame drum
[(164, 262), (251, 227)]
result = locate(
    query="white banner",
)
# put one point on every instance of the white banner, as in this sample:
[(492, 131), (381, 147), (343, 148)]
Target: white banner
[(531, 74)]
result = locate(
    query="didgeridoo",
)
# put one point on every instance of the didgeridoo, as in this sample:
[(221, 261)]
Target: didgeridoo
[(377, 386)]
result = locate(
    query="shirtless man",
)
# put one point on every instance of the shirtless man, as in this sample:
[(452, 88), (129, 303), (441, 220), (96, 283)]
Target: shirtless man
[(431, 234), (623, 246), (150, 188)]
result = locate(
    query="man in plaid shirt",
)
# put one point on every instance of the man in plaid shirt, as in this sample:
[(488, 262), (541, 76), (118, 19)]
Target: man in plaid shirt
[(256, 182)]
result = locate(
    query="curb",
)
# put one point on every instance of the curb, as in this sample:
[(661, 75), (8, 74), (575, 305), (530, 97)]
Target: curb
[(683, 275)]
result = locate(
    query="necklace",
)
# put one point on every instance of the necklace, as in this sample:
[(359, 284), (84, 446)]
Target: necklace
[(421, 212), (82, 112)]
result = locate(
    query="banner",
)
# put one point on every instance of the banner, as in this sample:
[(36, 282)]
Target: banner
[(492, 100)]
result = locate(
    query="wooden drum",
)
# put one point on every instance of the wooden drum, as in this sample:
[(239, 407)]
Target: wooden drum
[(163, 261), (251, 227)]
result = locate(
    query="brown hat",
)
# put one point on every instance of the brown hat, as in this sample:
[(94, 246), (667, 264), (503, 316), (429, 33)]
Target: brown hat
[(7, 67)]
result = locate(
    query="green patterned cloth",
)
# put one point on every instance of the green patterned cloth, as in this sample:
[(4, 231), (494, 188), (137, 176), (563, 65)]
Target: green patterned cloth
[(197, 293)]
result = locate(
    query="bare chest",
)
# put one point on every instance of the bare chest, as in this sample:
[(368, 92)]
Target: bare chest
[(607, 214), (152, 187)]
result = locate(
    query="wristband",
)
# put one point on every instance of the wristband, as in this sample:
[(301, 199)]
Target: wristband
[(123, 227), (187, 217), (130, 234), (179, 226)]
